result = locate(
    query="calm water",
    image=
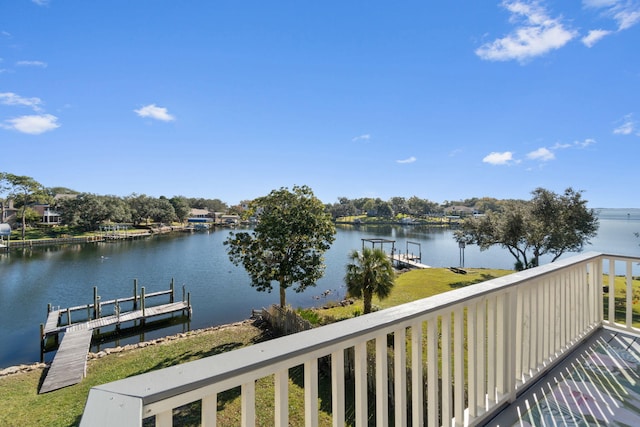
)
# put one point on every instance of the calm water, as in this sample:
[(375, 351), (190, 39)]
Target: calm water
[(220, 292)]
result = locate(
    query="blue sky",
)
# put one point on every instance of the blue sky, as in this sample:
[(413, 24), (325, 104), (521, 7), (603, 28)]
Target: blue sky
[(231, 99)]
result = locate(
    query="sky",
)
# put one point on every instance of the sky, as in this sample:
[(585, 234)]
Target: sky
[(232, 99)]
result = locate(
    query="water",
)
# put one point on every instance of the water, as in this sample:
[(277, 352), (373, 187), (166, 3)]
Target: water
[(220, 292)]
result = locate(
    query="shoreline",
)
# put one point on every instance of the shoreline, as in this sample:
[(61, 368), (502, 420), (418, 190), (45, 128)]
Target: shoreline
[(91, 356)]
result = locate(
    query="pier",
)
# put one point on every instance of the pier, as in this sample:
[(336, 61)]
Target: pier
[(69, 364), (408, 259)]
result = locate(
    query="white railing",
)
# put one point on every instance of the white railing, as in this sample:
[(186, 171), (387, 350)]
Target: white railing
[(456, 359)]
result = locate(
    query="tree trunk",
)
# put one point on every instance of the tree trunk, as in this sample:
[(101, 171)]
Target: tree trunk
[(283, 299), (366, 297)]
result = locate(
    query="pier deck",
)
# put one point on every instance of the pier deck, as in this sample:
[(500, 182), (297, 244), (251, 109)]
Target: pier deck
[(408, 261), (69, 364)]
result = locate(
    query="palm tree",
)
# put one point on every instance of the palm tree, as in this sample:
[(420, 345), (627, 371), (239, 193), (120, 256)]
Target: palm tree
[(369, 273)]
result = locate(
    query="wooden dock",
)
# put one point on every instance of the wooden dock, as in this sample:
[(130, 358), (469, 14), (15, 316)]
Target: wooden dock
[(69, 364), (408, 261)]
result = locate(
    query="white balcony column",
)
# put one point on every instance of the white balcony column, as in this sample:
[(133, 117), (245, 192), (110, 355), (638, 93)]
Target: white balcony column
[(382, 382)]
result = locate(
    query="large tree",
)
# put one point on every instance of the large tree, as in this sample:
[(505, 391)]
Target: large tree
[(287, 244), (369, 272), (26, 191), (548, 224)]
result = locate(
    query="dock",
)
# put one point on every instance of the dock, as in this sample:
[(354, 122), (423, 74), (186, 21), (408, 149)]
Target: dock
[(408, 261), (69, 363)]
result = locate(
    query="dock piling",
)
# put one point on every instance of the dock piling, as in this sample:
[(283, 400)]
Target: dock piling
[(135, 294)]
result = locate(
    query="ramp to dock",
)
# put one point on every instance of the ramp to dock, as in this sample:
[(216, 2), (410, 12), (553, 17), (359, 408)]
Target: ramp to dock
[(70, 363)]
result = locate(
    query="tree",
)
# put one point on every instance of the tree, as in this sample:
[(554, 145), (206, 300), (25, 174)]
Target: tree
[(548, 224), (181, 207), (287, 244), (25, 191), (369, 273)]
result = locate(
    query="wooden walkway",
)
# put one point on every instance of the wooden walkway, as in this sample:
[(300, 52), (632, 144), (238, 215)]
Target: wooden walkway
[(597, 384), (69, 364)]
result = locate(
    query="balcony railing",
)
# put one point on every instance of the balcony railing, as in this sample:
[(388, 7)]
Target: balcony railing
[(456, 358)]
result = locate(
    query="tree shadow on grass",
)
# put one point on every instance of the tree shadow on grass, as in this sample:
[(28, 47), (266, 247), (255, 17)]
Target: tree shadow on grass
[(464, 283)]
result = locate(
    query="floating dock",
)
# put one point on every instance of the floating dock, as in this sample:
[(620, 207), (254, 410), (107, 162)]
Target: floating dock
[(69, 364)]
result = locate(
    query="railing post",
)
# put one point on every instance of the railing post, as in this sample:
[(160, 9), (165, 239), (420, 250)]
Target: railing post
[(172, 295), (135, 294), (96, 309)]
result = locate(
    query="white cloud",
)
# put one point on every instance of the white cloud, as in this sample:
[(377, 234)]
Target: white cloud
[(536, 35), (155, 112), (33, 125), (587, 142), (407, 160), (41, 2), (32, 64), (626, 13), (627, 127), (10, 98), (543, 154), (499, 158), (594, 36), (364, 137)]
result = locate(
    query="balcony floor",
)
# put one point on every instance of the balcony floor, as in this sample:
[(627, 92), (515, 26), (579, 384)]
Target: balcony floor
[(597, 384)]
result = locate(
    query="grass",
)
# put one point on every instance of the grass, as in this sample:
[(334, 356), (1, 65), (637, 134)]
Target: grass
[(22, 406), (414, 285)]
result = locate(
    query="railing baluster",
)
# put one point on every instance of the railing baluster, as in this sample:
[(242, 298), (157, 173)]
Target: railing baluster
[(472, 358), (382, 384), (458, 364), (311, 393), (417, 388), (446, 369), (481, 360), (400, 374), (492, 360), (361, 383), (337, 388), (281, 395), (209, 410), (629, 305), (433, 388), (164, 419), (612, 292), (248, 404)]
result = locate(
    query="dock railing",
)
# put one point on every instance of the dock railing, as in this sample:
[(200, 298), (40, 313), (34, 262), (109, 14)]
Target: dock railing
[(457, 358)]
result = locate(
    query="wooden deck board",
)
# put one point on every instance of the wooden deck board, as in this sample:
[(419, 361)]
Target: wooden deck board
[(69, 365), (598, 384), (52, 321)]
